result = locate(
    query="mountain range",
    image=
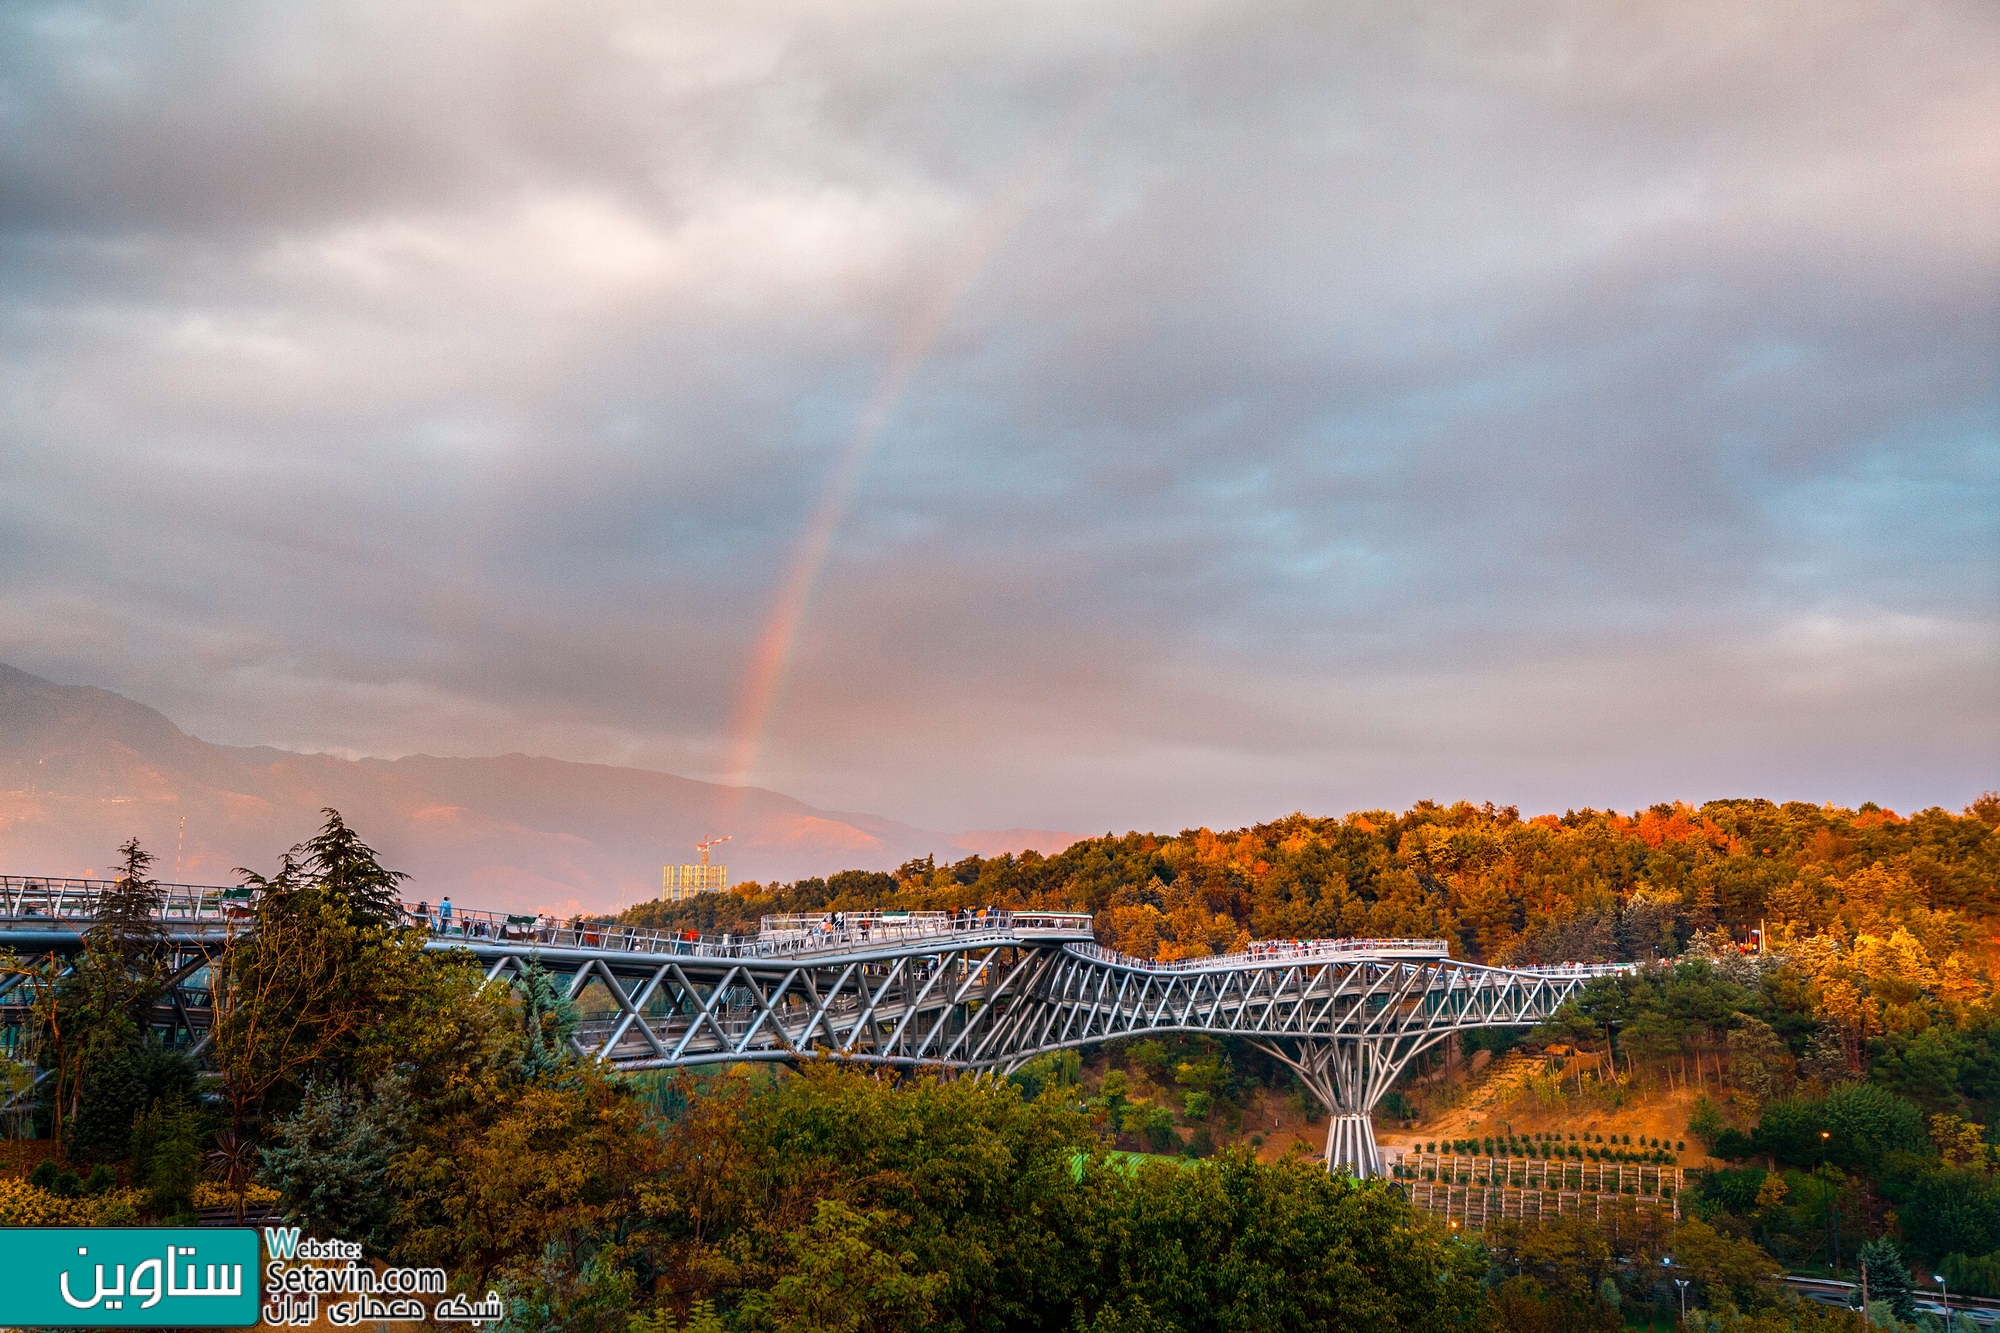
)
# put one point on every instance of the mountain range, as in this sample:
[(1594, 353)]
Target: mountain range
[(82, 769)]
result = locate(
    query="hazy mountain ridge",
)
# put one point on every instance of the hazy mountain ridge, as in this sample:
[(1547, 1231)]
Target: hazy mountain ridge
[(81, 769)]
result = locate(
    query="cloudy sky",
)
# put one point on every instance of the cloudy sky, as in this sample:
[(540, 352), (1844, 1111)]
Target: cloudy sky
[(1073, 415)]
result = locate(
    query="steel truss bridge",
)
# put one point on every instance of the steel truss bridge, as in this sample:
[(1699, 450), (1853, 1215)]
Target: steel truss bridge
[(970, 990)]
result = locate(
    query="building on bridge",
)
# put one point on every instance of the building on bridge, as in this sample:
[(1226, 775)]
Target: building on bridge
[(681, 882)]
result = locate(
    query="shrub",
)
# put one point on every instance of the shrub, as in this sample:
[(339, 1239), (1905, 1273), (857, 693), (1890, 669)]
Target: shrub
[(23, 1204)]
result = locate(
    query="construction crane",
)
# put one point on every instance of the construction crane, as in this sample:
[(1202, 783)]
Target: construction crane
[(703, 847)]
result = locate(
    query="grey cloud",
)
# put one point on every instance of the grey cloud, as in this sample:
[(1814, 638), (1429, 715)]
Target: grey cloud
[(1344, 404)]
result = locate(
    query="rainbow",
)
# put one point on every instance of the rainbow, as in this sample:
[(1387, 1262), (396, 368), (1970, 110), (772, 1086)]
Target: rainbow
[(777, 640)]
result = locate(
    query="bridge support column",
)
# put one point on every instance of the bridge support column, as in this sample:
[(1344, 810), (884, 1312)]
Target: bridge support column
[(1350, 1143), (1348, 1076)]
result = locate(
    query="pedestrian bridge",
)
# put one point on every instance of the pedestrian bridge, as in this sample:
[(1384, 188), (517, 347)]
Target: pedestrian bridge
[(970, 990)]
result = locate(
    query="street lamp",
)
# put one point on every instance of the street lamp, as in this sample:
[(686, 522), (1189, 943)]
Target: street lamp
[(1944, 1296), (1667, 1262)]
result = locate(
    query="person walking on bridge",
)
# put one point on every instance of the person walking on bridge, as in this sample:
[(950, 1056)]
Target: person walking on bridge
[(444, 915)]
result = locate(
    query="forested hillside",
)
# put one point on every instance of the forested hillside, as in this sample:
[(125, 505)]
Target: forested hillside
[(1837, 1083), (1586, 885)]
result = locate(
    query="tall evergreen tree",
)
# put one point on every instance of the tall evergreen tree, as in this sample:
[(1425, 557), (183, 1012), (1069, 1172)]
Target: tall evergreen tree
[(350, 870), (128, 924), (289, 879), (548, 1022), (1889, 1277)]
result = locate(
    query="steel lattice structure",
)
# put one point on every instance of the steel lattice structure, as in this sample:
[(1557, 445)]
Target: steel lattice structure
[(970, 991)]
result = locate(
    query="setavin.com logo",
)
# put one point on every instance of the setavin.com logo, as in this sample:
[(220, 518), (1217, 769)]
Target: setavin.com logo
[(128, 1277), (177, 1277)]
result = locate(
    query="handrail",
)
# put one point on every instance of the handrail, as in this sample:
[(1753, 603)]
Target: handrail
[(27, 897), (1577, 969), (1263, 952), (33, 898), (778, 936)]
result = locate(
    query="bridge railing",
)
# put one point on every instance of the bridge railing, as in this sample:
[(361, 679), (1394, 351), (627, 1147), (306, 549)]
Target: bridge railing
[(777, 936), (1276, 951), (74, 903), (39, 897), (877, 922), (1577, 969)]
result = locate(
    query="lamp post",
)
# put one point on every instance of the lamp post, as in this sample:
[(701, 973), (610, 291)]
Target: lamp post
[(1667, 1262), (1944, 1297)]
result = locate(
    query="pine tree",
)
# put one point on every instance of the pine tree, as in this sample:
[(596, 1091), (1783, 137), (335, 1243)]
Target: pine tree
[(99, 1011), (289, 879), (127, 924), (331, 1159), (173, 1159), (1889, 1277), (117, 1086), (348, 868), (548, 1022)]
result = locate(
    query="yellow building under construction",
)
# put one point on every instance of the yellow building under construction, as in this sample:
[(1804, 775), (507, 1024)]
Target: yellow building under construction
[(678, 882), (681, 882)]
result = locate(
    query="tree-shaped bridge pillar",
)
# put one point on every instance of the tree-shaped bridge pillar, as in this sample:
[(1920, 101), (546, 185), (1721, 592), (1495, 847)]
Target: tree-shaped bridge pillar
[(1349, 1075)]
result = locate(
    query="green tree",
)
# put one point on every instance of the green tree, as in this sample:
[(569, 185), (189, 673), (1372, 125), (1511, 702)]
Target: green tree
[(1946, 1210), (352, 872), (94, 1010), (548, 1024), (117, 1087), (1868, 1122), (1568, 1259), (332, 1157), (315, 987), (127, 923), (166, 1155), (492, 1180), (1233, 1243), (1705, 1122), (1888, 1277), (842, 1280), (1731, 1271), (1758, 1059)]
